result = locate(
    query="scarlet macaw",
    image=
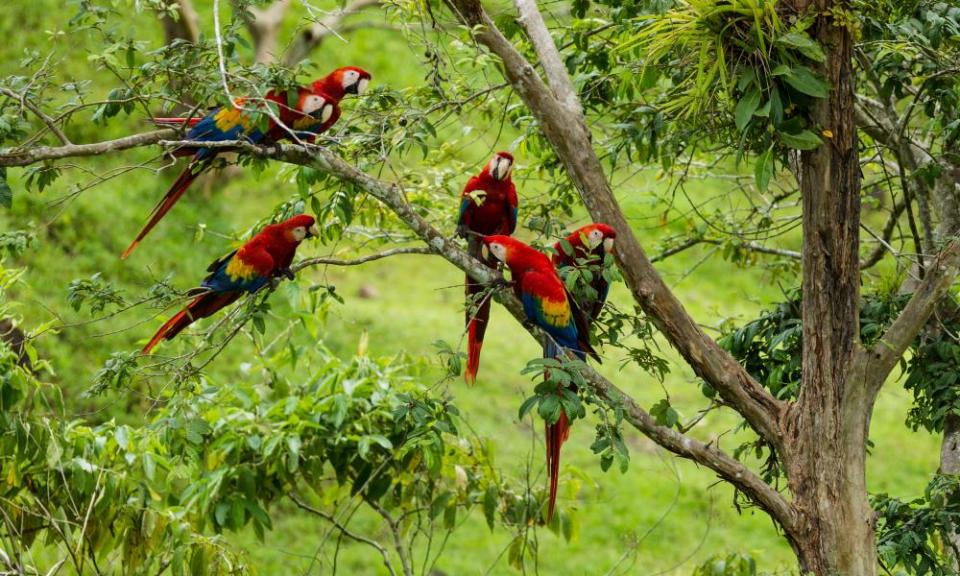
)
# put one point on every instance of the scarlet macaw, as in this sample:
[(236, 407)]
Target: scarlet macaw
[(265, 256), (308, 112), (589, 245), (488, 206), (547, 304)]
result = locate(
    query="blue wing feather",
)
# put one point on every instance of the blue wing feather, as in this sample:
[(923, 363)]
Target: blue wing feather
[(565, 336), (220, 281)]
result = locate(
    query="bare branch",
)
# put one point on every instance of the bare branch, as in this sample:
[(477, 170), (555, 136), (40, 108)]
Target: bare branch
[(321, 261), (885, 354), (344, 530), (311, 37), (883, 241), (26, 103), (749, 246), (548, 54), (571, 140), (19, 157), (397, 536)]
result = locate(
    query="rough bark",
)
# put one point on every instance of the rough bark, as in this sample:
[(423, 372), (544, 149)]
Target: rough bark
[(825, 455)]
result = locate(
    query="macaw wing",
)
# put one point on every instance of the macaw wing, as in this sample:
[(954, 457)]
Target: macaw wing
[(219, 261), (582, 323), (248, 270), (551, 314), (512, 204), (226, 123)]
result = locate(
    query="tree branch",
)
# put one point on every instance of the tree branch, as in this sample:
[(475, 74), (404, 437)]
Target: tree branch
[(549, 56), (26, 157), (885, 354), (344, 530), (24, 102), (571, 140), (264, 27), (361, 260), (311, 37)]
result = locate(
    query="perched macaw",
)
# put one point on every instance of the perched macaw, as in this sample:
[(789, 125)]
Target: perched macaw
[(266, 256), (307, 112), (547, 304), (589, 245), (488, 206)]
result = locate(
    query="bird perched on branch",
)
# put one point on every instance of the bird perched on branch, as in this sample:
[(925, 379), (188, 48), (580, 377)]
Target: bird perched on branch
[(548, 305), (488, 206), (266, 256), (303, 113), (588, 247)]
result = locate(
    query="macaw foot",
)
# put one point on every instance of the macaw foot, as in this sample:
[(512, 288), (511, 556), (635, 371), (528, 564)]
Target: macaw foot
[(500, 284), (288, 273)]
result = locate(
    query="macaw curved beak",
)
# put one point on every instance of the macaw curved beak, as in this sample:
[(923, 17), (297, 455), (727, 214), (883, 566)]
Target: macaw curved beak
[(313, 231), (608, 245), (362, 85), (327, 112), (485, 252)]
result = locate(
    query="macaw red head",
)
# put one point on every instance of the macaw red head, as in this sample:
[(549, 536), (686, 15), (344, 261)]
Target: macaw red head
[(318, 105), (342, 81), (512, 252), (592, 236), (298, 228), (500, 166)]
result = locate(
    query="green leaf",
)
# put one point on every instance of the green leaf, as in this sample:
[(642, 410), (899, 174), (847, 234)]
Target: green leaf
[(804, 44), (805, 80), (763, 169), (6, 194), (746, 107), (490, 504), (804, 140)]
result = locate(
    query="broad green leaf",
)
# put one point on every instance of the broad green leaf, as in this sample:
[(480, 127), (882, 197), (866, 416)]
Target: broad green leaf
[(804, 44), (763, 169), (804, 140), (746, 107), (805, 80)]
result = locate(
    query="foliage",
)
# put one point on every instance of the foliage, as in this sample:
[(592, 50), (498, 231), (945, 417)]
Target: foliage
[(910, 533)]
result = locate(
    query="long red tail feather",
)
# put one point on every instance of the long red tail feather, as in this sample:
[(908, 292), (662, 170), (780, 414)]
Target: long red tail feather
[(200, 307), (556, 435), (172, 196), (476, 328), (177, 121)]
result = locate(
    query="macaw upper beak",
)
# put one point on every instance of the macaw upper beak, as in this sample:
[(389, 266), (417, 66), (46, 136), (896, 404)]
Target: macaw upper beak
[(313, 231), (361, 86), (485, 252), (608, 245)]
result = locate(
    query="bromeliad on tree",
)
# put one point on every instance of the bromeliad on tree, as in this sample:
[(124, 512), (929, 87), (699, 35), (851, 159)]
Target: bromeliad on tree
[(488, 206), (548, 305), (266, 256), (303, 114)]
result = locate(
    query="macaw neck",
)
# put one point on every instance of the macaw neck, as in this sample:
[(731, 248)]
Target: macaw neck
[(333, 88), (488, 182)]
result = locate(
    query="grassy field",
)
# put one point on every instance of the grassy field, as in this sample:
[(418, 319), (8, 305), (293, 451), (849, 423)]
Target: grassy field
[(663, 516)]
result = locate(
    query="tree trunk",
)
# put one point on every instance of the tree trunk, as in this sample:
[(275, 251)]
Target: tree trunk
[(825, 452)]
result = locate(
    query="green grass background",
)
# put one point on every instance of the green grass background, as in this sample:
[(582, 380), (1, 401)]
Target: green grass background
[(663, 516)]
